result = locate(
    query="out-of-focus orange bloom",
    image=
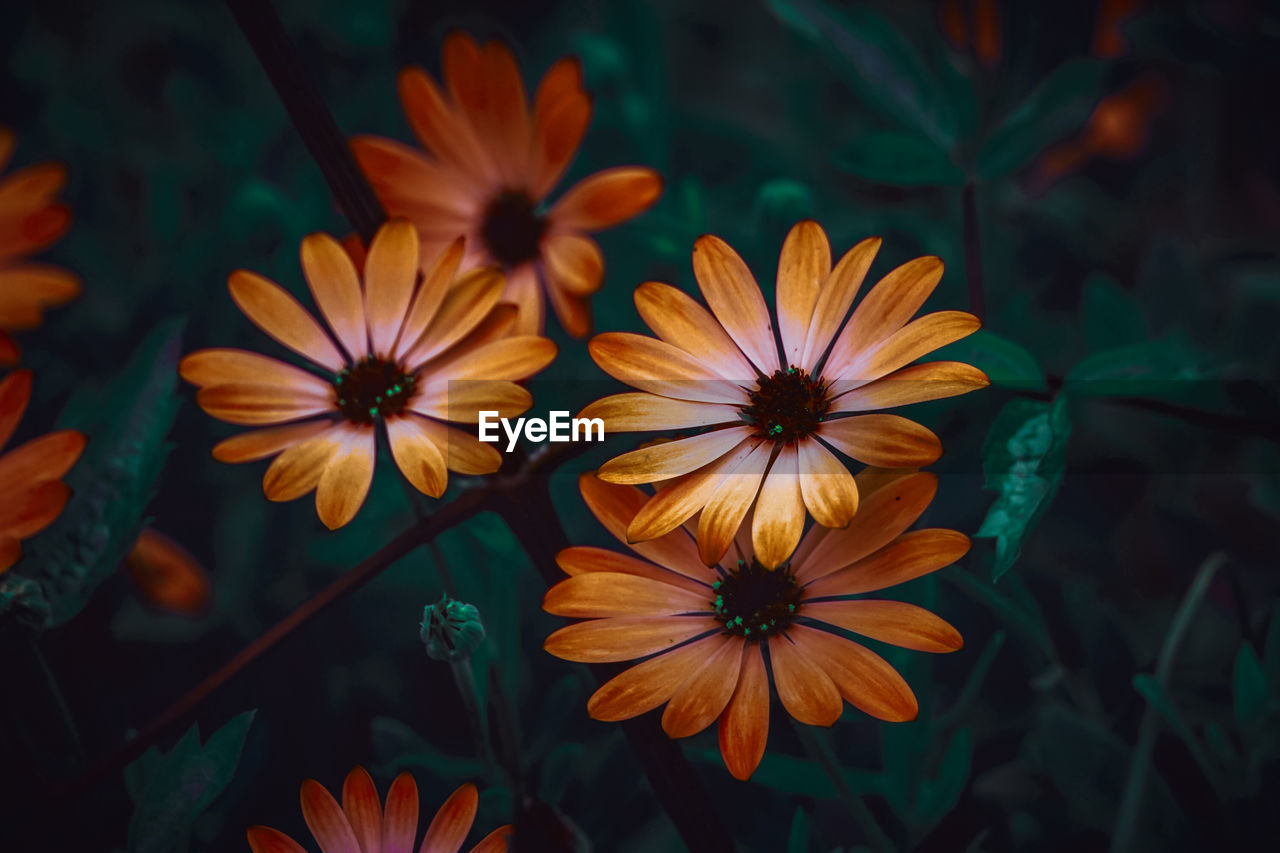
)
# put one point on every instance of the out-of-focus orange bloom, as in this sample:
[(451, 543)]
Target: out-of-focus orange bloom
[(1108, 40), (1118, 129), (31, 219), (951, 19), (987, 38), (167, 576)]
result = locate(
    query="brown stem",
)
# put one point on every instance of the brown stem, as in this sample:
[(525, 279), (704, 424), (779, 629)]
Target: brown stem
[(973, 252)]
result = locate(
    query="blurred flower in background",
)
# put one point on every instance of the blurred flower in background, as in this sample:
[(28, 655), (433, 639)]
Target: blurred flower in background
[(167, 576)]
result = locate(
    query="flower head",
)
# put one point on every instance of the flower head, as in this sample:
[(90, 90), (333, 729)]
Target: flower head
[(408, 356), (31, 219), (491, 160), (774, 407), (363, 825), (714, 638), (30, 474), (451, 629)]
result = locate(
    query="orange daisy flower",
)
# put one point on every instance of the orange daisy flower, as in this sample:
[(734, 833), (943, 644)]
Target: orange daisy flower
[(362, 825), (31, 219), (491, 160), (771, 415), (713, 638), (407, 356), (31, 474)]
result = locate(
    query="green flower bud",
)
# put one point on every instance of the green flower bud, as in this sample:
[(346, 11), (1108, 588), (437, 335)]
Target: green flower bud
[(451, 630)]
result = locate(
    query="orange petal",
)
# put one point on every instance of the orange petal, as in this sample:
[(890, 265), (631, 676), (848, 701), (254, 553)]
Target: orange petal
[(598, 594), (15, 390), (10, 552), (647, 685), (641, 411), (572, 311), (701, 698), (27, 289), (464, 307), (363, 811), (325, 819), (390, 273), (744, 725), (672, 458), (438, 200), (254, 405), (803, 267), (887, 441), (625, 637), (679, 320), (297, 470), (919, 337), (497, 107), (332, 277), (615, 506), (885, 309), (834, 299), (574, 263), (400, 822), (734, 297), (864, 679), (829, 490), (32, 186), (223, 366), (893, 622), (438, 278), (607, 198), (45, 458), (495, 842), (7, 143), (167, 575), (261, 443), (512, 358), (909, 557), (264, 839), (779, 516), (463, 401), (722, 516), (9, 353), (561, 113), (463, 452), (282, 317), (452, 822), (416, 455), (436, 126), (581, 559), (806, 691), (346, 479), (915, 384), (679, 500), (28, 509), (525, 292), (660, 368)]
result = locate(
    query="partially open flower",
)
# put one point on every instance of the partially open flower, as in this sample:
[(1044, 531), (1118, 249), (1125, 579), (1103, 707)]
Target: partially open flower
[(451, 630)]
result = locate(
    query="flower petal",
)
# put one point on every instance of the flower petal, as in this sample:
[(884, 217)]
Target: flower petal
[(779, 516), (641, 411), (15, 390), (525, 292), (332, 277), (660, 368), (495, 842), (678, 319), (440, 201), (582, 559), (885, 309), (264, 839), (254, 405), (615, 506), (463, 452), (834, 299), (346, 479), (29, 508), (673, 458), (436, 282), (805, 689), (223, 366), (562, 111), (363, 811), (47, 457), (882, 440), (573, 262), (734, 297), (910, 556), (722, 516), (703, 696), (326, 821), (744, 725), (803, 267), (465, 306), (680, 499), (864, 679), (390, 272), (919, 337), (437, 127), (828, 489), (647, 685), (606, 198), (261, 443), (416, 455), (598, 594), (896, 622), (298, 469), (400, 820), (452, 822), (573, 312), (276, 312), (512, 358), (463, 401), (625, 637), (916, 384)]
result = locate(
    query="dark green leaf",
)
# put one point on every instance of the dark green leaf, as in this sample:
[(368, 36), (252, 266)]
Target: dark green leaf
[(1006, 363), (1249, 688), (798, 837), (1023, 459), (1271, 652), (1160, 699), (937, 796), (1109, 315), (804, 777), (901, 158), (1166, 368)]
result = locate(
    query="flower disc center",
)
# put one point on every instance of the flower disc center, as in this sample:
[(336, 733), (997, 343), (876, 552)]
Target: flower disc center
[(372, 388), (512, 229), (787, 406), (754, 602)]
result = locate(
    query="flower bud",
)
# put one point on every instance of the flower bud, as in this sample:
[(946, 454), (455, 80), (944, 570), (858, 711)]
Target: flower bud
[(451, 630)]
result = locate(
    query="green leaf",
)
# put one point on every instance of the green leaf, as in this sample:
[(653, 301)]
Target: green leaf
[(1271, 652), (798, 837), (877, 62), (901, 158), (1158, 696), (936, 797), (1166, 368), (173, 790), (804, 777), (1109, 315), (1024, 458), (1007, 364), (1249, 688), (1059, 107), (126, 420)]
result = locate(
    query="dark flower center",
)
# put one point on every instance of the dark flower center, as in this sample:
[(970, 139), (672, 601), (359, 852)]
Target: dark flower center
[(754, 602), (512, 229), (373, 388), (787, 406)]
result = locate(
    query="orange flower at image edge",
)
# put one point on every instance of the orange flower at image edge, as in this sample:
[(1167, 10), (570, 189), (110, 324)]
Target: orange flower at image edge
[(30, 474), (30, 220), (712, 636), (489, 165), (774, 409), (362, 825), (407, 356)]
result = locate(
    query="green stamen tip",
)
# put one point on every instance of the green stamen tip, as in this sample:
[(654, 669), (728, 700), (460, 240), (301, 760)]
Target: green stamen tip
[(373, 412)]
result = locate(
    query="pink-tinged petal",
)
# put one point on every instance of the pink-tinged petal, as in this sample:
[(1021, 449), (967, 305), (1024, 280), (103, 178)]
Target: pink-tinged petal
[(573, 262), (496, 841), (916, 384), (390, 272), (582, 559), (29, 508), (596, 595), (525, 292), (298, 469), (452, 822), (417, 455), (46, 457), (678, 319), (430, 295), (744, 725), (887, 441), (15, 391), (779, 516), (615, 506), (660, 368), (264, 839), (437, 127), (208, 367), (625, 637), (721, 518), (462, 402), (606, 198), (805, 689), (734, 297), (400, 821), (679, 500), (882, 515), (803, 267), (912, 555), (261, 443), (562, 111), (864, 679), (836, 296), (919, 337), (326, 821), (829, 490), (640, 411), (257, 405), (335, 285), (672, 458), (894, 622), (346, 479), (886, 308), (465, 307), (277, 313), (513, 358), (647, 685), (363, 811), (703, 696), (463, 452)]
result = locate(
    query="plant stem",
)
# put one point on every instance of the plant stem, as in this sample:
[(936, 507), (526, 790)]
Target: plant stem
[(973, 251), (1129, 815), (816, 746), (464, 677)]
